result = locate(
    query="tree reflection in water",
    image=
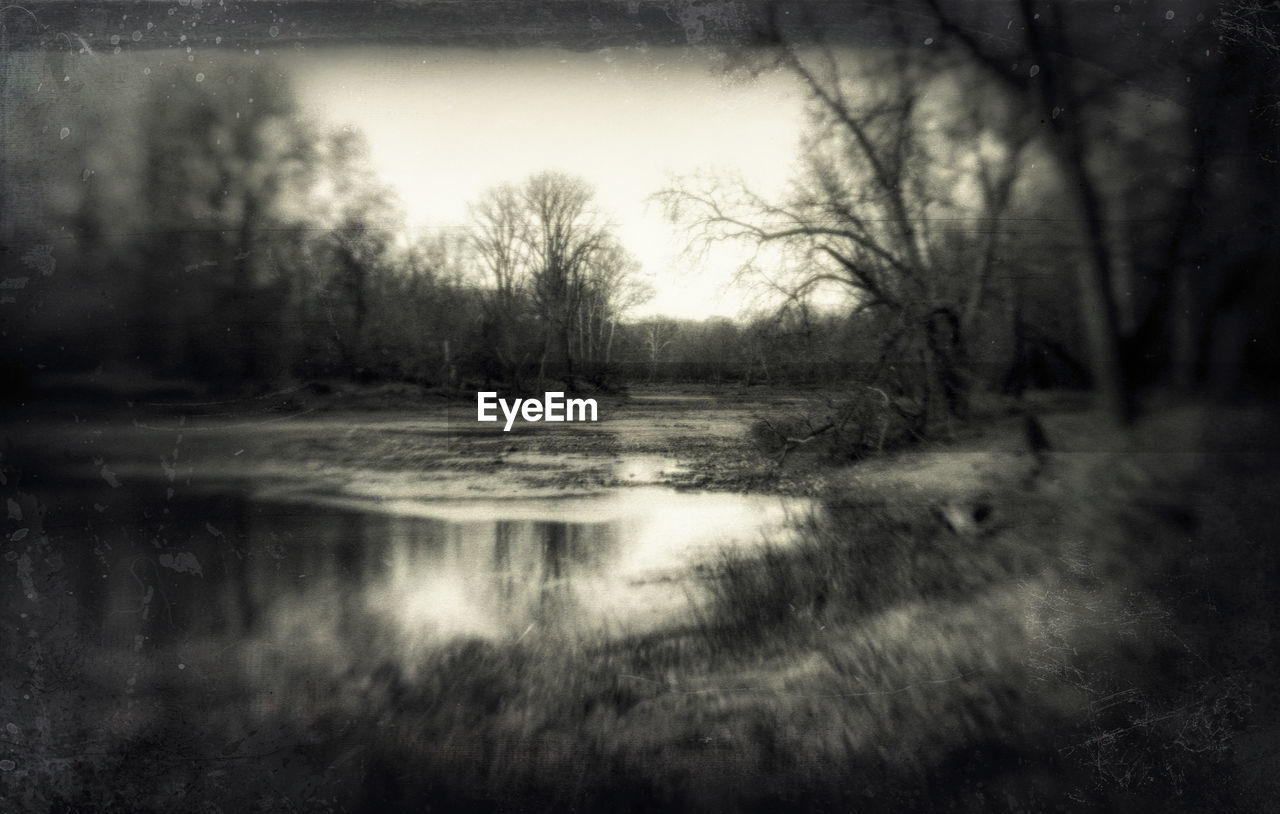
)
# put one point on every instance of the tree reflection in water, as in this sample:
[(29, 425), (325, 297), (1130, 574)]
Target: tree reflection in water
[(225, 567)]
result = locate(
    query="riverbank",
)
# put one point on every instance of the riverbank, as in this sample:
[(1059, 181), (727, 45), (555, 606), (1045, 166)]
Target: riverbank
[(691, 437), (426, 444), (966, 629), (1097, 639)]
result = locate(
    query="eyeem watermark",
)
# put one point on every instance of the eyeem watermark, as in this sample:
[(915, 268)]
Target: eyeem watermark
[(553, 407)]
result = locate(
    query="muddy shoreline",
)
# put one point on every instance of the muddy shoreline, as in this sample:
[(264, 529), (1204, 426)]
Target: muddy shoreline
[(694, 438), (903, 654)]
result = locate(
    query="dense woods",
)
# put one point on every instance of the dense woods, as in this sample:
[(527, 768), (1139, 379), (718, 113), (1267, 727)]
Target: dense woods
[(965, 216), (204, 230)]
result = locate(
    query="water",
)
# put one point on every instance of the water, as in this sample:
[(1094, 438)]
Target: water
[(238, 564), (215, 643)]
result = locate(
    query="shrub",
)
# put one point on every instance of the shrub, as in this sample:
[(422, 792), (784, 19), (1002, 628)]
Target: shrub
[(863, 422)]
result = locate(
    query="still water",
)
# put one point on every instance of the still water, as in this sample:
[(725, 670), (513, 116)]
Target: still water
[(242, 562)]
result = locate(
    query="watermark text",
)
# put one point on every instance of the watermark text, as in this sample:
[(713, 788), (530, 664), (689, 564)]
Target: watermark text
[(552, 407)]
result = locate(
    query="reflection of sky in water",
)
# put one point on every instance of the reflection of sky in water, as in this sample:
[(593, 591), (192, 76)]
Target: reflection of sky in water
[(483, 567), (313, 569)]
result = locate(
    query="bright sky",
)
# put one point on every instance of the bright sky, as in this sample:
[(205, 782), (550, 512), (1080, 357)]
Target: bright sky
[(446, 124)]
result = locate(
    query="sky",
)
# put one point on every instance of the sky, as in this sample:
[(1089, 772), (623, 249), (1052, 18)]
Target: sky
[(444, 125)]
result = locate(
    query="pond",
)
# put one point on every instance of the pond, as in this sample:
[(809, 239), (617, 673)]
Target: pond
[(240, 563)]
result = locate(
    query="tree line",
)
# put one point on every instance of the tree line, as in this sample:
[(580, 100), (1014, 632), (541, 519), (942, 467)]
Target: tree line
[(1057, 195), (200, 227), (1036, 209)]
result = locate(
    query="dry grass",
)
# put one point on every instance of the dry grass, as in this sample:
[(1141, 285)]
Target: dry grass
[(1102, 641), (884, 662)]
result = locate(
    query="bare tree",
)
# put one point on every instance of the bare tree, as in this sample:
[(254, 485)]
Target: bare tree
[(611, 288), (500, 237), (658, 335), (546, 248), (359, 218), (501, 240), (864, 214), (565, 234), (1053, 85), (214, 186)]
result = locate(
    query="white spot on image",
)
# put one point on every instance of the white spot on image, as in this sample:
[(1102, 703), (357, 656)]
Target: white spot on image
[(184, 562), (107, 474), (25, 571)]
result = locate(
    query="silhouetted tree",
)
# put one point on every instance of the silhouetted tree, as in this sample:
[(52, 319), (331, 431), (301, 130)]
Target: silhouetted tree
[(545, 246), (501, 242), (880, 180), (223, 160)]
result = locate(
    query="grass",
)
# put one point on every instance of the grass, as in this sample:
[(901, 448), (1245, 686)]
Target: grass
[(1063, 657), (1101, 641)]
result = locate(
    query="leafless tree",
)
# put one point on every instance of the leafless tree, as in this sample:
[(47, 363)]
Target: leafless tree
[(360, 217), (565, 234), (500, 238), (1053, 85), (658, 335), (612, 287), (879, 182), (546, 249)]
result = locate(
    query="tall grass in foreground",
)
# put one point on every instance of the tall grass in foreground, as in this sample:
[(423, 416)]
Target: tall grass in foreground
[(857, 558), (880, 662), (1048, 659)]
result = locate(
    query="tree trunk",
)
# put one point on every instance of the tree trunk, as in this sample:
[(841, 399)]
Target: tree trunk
[(1101, 319), (242, 293), (567, 348)]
